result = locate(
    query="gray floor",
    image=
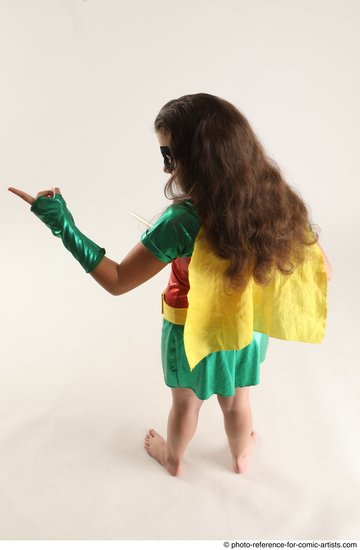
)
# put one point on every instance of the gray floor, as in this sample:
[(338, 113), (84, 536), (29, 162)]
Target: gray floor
[(73, 419)]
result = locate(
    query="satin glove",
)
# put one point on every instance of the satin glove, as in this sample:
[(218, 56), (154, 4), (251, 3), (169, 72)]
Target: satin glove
[(54, 213)]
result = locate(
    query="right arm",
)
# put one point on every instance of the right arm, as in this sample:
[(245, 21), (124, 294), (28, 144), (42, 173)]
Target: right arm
[(327, 264)]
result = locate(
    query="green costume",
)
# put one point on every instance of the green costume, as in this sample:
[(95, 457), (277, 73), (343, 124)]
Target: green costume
[(171, 239), (54, 213), (209, 343)]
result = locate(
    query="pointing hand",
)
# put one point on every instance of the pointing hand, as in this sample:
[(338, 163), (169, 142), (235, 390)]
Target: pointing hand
[(49, 193)]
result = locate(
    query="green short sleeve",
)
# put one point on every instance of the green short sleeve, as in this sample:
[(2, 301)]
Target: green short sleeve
[(173, 234)]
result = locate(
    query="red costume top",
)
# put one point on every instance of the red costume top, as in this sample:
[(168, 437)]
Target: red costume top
[(178, 285)]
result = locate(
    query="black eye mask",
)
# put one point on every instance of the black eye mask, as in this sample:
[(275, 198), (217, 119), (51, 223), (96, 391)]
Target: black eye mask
[(168, 158)]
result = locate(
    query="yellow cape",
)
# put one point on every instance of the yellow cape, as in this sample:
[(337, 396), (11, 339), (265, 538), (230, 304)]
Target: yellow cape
[(292, 307)]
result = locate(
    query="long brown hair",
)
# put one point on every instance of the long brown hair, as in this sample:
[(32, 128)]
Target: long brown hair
[(251, 215)]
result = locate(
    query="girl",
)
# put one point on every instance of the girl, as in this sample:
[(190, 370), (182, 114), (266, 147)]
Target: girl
[(234, 234)]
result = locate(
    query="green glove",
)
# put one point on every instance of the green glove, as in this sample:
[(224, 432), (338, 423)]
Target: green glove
[(54, 213)]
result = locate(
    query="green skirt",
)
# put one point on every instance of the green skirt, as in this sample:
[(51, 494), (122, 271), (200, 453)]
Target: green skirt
[(220, 372)]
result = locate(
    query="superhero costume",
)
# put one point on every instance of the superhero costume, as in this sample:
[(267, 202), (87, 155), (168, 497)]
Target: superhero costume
[(215, 327), (213, 338)]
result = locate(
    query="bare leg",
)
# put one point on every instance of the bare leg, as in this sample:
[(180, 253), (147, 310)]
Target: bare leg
[(238, 426), (182, 423)]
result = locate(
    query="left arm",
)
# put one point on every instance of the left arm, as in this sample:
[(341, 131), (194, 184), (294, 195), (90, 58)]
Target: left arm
[(134, 270)]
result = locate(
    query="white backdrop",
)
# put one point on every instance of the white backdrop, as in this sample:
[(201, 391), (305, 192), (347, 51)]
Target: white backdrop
[(80, 371)]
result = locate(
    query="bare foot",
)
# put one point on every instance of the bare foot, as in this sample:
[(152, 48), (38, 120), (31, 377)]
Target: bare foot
[(240, 464), (155, 446)]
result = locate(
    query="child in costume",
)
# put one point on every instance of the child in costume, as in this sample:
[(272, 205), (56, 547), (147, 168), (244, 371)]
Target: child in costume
[(230, 235)]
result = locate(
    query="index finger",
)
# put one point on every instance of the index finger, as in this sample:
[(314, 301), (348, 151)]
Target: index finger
[(25, 196)]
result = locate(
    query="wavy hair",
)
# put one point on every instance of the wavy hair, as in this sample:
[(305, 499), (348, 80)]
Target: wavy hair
[(251, 215)]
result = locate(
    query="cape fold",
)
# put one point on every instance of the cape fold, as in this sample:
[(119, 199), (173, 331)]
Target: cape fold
[(290, 307)]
